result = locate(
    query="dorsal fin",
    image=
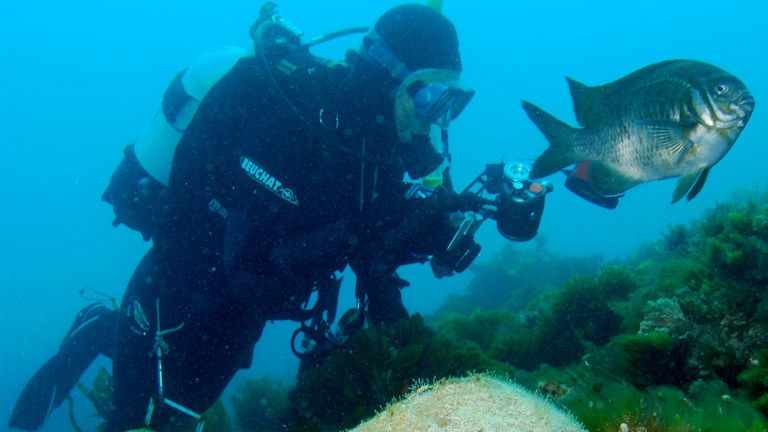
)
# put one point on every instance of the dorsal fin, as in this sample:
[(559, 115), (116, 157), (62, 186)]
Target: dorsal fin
[(584, 97)]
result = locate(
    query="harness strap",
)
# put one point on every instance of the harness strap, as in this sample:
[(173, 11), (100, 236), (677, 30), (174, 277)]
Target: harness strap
[(174, 98)]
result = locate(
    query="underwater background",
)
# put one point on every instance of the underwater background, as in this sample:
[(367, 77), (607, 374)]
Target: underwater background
[(81, 79)]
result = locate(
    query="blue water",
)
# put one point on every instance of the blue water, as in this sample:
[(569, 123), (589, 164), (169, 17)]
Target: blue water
[(79, 80)]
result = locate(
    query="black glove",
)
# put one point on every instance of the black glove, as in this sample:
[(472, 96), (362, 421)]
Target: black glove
[(430, 228), (426, 231)]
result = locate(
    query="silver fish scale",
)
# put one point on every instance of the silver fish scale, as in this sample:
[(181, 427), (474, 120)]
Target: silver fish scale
[(637, 159)]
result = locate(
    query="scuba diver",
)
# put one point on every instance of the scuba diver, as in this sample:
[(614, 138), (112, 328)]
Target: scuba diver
[(265, 174), (287, 169)]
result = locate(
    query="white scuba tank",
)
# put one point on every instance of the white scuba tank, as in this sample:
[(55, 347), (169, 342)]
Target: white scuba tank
[(157, 143)]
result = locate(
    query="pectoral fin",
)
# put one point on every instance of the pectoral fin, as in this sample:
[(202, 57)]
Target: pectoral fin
[(609, 181), (690, 184), (669, 135)]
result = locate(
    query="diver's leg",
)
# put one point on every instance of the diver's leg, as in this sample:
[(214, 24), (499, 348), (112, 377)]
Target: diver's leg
[(134, 369), (216, 340), (205, 355), (89, 335)]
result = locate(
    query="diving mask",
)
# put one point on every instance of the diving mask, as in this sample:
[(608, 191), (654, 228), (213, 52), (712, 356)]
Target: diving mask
[(432, 102), (425, 96), (429, 97)]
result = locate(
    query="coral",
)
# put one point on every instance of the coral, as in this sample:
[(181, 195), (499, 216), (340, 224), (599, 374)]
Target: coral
[(474, 403), (664, 315)]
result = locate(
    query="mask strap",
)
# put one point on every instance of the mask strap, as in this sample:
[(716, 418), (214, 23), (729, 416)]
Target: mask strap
[(377, 52)]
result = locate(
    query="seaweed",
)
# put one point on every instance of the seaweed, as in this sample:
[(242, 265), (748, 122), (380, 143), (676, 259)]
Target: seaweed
[(513, 278), (381, 364), (672, 338), (620, 406)]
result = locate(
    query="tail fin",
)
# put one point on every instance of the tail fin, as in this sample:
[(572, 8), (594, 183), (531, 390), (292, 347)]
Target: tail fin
[(560, 136)]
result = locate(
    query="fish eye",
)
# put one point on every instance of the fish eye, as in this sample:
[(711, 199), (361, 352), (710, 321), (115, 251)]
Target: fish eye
[(721, 89)]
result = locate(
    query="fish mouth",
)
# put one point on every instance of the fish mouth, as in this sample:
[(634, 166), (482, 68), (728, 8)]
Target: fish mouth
[(744, 107), (735, 115), (723, 114), (747, 103)]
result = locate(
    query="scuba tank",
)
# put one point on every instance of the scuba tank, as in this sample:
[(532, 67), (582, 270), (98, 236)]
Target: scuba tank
[(136, 186), (156, 145)]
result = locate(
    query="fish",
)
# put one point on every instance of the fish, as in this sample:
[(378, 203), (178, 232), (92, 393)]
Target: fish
[(676, 118)]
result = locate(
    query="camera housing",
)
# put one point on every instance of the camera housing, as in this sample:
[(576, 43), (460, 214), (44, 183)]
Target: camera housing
[(517, 203)]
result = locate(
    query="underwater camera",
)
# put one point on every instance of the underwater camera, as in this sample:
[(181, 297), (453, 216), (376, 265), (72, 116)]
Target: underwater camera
[(504, 193), (517, 204)]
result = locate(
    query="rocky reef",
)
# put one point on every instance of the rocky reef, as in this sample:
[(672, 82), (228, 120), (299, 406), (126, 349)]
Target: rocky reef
[(672, 338)]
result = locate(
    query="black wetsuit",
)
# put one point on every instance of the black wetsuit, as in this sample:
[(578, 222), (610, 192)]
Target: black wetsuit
[(265, 202)]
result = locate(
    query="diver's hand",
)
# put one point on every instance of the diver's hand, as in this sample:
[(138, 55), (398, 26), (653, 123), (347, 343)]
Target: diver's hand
[(430, 227), (426, 231)]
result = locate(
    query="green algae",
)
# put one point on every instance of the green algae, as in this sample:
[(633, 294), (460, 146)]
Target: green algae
[(674, 338)]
